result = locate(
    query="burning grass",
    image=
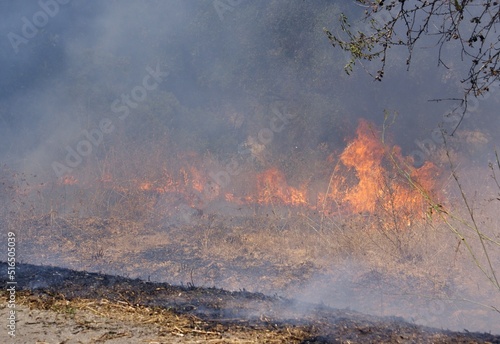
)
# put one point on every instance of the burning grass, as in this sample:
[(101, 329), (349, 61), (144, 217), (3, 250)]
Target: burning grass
[(360, 179), (354, 230), (381, 189)]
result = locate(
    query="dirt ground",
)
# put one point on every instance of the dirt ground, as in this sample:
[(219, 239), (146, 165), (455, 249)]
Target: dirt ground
[(416, 274), (82, 307), (294, 279)]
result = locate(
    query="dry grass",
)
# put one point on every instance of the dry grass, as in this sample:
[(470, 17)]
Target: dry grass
[(104, 320), (111, 225)]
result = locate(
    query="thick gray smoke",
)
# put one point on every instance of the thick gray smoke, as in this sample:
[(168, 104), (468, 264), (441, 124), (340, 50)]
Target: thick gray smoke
[(63, 64), (83, 82)]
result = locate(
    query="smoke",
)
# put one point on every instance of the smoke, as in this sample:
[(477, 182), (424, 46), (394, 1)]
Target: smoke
[(63, 79), (226, 71)]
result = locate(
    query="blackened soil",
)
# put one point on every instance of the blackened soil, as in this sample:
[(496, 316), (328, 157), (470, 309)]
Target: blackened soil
[(220, 309)]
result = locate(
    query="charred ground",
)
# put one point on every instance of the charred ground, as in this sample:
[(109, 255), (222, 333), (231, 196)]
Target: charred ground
[(190, 313)]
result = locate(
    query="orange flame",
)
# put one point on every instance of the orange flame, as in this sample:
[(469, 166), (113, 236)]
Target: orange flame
[(368, 177), (272, 187), (387, 186), (365, 155)]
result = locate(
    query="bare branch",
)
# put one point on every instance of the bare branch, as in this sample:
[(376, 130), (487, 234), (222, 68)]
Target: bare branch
[(468, 23)]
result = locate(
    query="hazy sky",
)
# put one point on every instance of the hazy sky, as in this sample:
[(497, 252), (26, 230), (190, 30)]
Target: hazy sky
[(62, 75)]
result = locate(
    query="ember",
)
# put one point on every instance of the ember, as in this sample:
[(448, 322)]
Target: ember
[(68, 180)]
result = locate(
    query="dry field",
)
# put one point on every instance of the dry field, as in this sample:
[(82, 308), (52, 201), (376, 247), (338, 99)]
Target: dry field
[(357, 237), (344, 262)]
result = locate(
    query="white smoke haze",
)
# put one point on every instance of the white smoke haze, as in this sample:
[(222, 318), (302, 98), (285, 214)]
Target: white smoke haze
[(222, 74)]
